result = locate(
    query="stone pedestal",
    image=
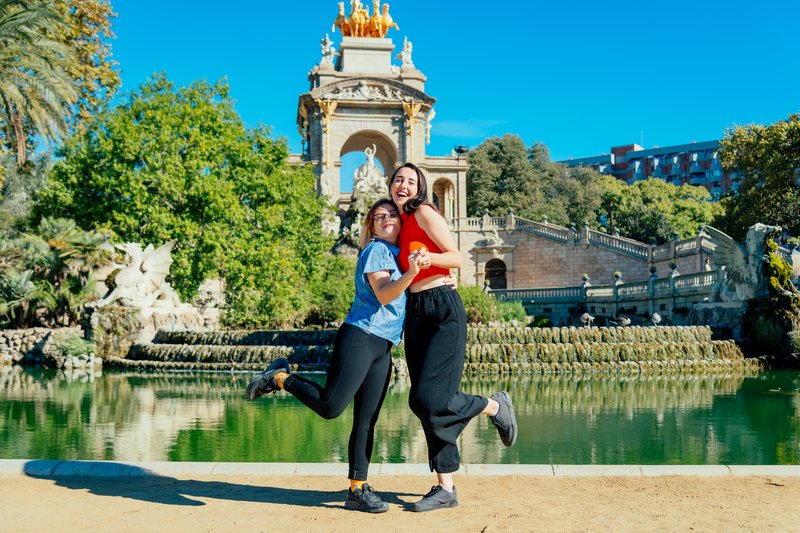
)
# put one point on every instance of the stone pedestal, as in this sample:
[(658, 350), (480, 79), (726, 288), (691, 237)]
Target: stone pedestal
[(727, 316), (365, 55)]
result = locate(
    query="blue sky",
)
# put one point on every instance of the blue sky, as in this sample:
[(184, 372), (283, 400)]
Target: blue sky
[(579, 76)]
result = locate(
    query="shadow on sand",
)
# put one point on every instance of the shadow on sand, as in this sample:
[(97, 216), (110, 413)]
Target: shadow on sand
[(127, 481)]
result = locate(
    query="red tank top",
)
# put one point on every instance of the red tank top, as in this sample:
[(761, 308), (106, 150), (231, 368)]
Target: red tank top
[(411, 232)]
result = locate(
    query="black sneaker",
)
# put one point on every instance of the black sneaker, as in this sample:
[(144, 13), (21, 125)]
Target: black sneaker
[(437, 498), (504, 420), (264, 382), (364, 499)]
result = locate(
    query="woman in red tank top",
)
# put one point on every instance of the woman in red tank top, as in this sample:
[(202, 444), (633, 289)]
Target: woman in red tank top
[(436, 339)]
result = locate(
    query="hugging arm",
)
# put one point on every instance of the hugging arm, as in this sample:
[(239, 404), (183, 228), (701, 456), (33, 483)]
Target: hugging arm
[(387, 290), (436, 227)]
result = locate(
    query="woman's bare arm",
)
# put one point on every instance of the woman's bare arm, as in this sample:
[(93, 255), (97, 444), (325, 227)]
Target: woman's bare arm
[(436, 227), (387, 290)]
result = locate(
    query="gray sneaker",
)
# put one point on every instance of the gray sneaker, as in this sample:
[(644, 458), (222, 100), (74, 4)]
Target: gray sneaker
[(437, 498), (504, 420), (366, 500), (264, 382)]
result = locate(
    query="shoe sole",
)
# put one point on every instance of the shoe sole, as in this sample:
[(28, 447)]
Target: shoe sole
[(356, 507), (513, 429)]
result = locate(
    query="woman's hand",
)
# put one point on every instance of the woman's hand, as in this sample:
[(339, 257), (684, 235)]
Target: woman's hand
[(424, 258), (450, 280), (415, 261)]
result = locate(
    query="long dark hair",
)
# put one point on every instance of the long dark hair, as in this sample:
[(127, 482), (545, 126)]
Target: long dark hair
[(421, 198)]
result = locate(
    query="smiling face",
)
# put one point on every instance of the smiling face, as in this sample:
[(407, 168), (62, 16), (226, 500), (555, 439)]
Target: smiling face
[(404, 186), (383, 221)]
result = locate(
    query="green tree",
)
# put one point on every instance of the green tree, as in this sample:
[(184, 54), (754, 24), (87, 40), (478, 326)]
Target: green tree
[(768, 159), (655, 209), (571, 195), (500, 177), (36, 88), (178, 163), (86, 32), (505, 175)]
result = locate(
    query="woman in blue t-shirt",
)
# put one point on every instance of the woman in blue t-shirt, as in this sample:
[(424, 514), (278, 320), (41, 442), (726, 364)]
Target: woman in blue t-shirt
[(361, 363)]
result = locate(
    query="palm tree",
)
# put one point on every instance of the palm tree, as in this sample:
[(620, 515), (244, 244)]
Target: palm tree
[(36, 91)]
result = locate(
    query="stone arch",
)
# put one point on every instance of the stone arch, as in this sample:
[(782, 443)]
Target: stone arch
[(495, 271), (445, 193), (360, 140)]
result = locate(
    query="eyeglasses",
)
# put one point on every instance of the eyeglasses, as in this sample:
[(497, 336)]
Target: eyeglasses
[(380, 217)]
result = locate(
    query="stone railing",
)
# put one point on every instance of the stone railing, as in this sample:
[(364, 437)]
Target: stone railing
[(619, 244), (648, 295), (554, 294), (549, 231), (697, 282)]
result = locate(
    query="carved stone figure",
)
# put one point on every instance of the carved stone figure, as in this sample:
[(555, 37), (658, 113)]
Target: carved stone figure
[(364, 91), (405, 55), (141, 281), (493, 239), (328, 50), (740, 268), (369, 185)]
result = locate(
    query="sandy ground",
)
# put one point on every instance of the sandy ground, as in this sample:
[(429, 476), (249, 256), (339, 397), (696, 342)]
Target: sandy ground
[(296, 504)]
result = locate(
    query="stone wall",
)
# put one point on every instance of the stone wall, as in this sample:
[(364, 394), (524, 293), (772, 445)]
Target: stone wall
[(25, 345), (15, 344)]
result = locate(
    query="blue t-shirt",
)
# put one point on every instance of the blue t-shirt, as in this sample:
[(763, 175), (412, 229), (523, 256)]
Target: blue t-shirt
[(367, 313)]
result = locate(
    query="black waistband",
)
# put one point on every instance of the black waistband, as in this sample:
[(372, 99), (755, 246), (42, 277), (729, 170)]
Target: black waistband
[(441, 289)]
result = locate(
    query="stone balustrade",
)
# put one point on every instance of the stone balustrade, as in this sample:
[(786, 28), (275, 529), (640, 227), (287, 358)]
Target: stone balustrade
[(642, 297)]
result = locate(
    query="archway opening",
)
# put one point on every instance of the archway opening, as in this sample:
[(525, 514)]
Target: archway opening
[(443, 192), (350, 162), (352, 155), (496, 274)]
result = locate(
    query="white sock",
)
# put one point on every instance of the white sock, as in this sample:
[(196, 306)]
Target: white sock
[(450, 490)]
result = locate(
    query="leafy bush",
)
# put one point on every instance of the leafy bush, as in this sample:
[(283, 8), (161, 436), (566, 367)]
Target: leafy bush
[(484, 308), (540, 322), (46, 275), (72, 346), (480, 306), (333, 291), (512, 311)]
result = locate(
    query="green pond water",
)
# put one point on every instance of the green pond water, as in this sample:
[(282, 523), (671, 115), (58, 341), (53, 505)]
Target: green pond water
[(717, 419)]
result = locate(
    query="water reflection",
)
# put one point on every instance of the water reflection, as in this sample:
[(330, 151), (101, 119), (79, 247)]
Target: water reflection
[(689, 419)]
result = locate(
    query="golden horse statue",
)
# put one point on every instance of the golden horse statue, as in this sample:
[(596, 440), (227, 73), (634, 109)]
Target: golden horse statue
[(359, 23), (341, 21)]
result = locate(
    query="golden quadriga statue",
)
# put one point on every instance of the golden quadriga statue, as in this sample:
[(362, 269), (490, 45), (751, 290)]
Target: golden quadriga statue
[(360, 24)]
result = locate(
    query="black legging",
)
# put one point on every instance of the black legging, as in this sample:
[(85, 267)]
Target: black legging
[(360, 367), (435, 344)]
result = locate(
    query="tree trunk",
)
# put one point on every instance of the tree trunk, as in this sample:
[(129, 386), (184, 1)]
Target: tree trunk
[(19, 133)]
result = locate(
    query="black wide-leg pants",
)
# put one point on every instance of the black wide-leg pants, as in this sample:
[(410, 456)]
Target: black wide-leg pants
[(360, 368), (435, 345)]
